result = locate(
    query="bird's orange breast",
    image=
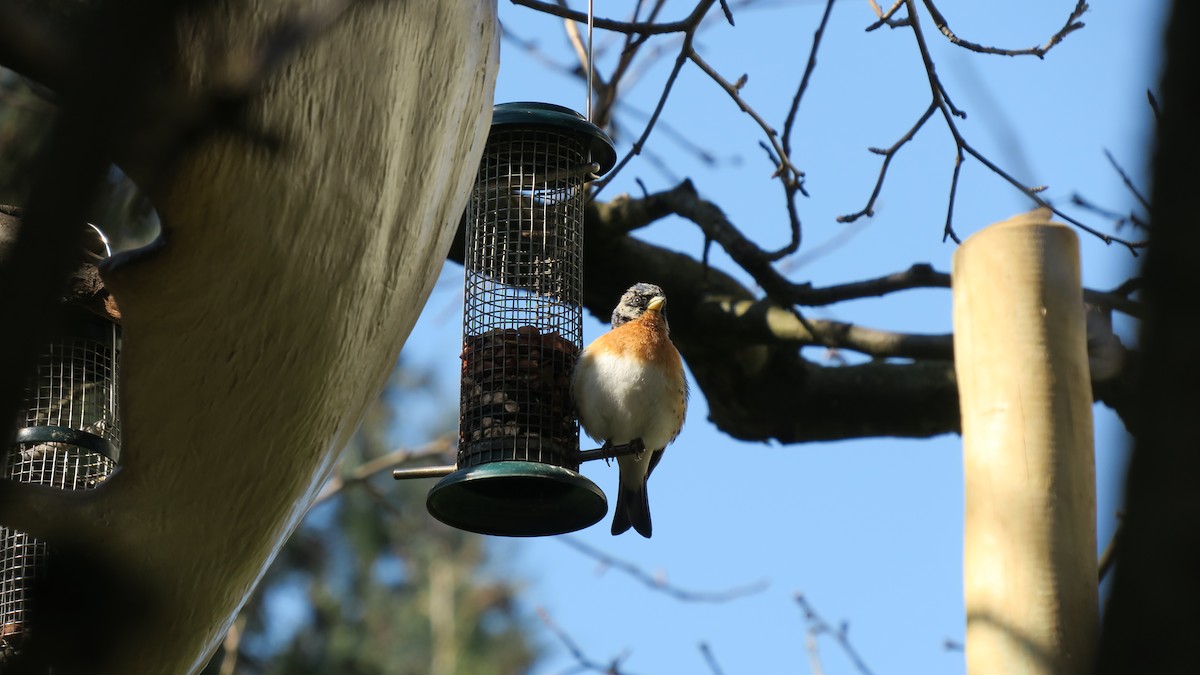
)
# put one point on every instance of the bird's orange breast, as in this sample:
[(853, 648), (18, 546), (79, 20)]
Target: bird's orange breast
[(645, 339)]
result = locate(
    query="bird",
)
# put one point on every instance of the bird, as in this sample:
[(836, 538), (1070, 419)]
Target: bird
[(629, 387)]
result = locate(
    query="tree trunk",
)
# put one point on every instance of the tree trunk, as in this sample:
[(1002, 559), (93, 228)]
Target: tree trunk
[(1151, 621)]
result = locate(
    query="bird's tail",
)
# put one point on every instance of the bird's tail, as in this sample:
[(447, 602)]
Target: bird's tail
[(633, 510)]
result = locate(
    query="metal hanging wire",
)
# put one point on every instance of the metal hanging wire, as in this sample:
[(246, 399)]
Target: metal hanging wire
[(590, 67)]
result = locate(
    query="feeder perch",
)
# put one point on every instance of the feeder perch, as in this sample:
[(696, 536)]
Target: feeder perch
[(68, 436), (518, 457)]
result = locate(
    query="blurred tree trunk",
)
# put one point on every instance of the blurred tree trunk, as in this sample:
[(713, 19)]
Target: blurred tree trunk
[(1152, 622)]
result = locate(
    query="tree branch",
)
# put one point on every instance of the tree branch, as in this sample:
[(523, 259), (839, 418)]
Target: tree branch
[(743, 349), (626, 214), (949, 112), (764, 322), (1071, 25), (367, 470), (659, 583), (632, 27), (817, 626)]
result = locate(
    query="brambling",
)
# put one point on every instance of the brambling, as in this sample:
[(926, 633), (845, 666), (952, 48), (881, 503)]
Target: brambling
[(629, 386)]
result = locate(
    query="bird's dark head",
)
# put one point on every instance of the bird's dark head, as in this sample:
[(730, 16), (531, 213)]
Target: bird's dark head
[(639, 299)]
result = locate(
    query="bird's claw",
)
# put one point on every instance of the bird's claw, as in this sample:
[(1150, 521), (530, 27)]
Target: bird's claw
[(638, 447)]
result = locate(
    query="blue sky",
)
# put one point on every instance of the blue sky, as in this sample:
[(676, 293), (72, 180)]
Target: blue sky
[(869, 531)]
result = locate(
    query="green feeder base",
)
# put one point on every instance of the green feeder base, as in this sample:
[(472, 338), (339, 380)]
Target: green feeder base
[(517, 499)]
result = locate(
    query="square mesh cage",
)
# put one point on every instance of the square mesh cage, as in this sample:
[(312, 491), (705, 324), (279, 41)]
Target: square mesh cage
[(68, 437), (523, 321)]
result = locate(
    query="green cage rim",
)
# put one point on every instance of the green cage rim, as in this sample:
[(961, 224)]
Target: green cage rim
[(559, 118)]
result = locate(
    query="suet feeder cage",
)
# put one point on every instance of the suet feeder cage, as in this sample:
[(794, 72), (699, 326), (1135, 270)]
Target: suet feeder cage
[(518, 447), (68, 434)]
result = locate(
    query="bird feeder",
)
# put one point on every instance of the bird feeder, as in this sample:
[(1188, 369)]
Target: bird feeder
[(518, 447), (69, 432)]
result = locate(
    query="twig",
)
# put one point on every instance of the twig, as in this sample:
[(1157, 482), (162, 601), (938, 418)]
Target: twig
[(682, 200), (532, 48), (813, 648), (366, 470), (948, 229), (710, 659), (885, 18), (659, 584), (817, 626), (791, 188), (640, 27), (1128, 181), (728, 12), (791, 176), (809, 67), (948, 113), (1071, 25), (690, 24), (1119, 220), (888, 154), (583, 661)]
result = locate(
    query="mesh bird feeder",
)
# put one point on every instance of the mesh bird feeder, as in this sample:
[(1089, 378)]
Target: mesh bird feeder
[(68, 435), (518, 457)]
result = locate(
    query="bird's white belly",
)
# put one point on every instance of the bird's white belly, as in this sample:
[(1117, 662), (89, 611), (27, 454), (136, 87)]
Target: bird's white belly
[(624, 401)]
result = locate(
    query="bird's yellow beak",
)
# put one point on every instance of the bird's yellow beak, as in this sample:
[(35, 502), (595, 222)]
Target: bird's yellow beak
[(656, 303)]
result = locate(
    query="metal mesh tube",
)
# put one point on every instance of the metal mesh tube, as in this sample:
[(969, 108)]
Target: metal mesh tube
[(74, 390), (523, 321)]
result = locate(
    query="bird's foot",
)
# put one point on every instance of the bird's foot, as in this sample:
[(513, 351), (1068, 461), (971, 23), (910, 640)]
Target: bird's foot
[(607, 447), (638, 447)]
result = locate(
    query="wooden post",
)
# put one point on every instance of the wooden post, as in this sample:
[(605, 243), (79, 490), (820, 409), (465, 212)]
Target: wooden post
[(1030, 530)]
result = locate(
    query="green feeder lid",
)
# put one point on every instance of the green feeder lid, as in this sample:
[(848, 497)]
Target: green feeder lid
[(517, 499), (548, 115)]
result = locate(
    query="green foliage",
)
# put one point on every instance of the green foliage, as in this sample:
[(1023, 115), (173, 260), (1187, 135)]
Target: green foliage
[(371, 585)]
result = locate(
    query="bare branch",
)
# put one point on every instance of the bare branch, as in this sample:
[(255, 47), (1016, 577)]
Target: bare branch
[(1128, 181), (1119, 220), (639, 28), (710, 659), (888, 155), (948, 231), (817, 626), (763, 388), (885, 18), (949, 112), (364, 472), (809, 67), (691, 23), (787, 172), (765, 322), (583, 661), (626, 214), (660, 584), (532, 48), (1071, 25)]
